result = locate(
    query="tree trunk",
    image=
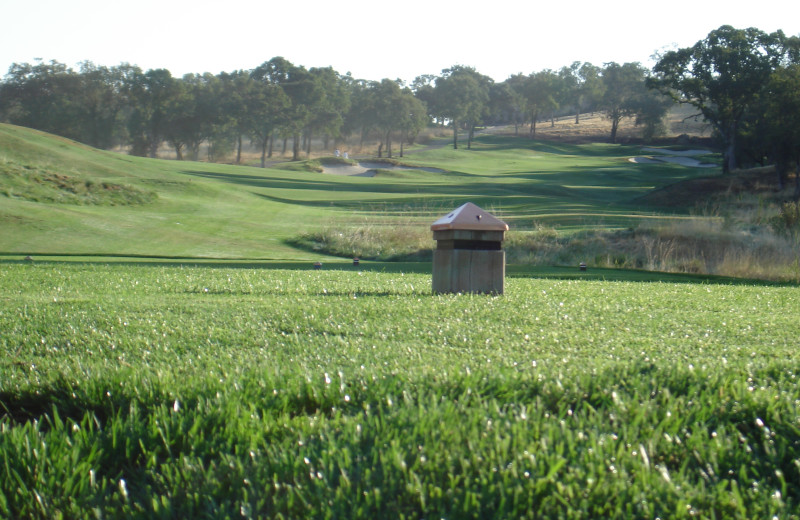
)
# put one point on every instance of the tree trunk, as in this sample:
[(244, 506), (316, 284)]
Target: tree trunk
[(380, 149), (285, 141), (470, 136), (389, 144), (271, 144), (797, 181), (455, 135), (296, 147), (781, 169), (178, 152), (239, 149), (614, 126), (578, 117), (729, 155)]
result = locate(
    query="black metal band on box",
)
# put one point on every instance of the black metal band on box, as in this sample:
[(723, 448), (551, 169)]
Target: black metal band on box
[(471, 245)]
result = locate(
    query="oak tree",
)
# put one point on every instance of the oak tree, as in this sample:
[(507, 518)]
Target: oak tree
[(721, 75)]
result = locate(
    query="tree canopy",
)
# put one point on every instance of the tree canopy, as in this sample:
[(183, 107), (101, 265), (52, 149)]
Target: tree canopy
[(743, 82), (721, 75)]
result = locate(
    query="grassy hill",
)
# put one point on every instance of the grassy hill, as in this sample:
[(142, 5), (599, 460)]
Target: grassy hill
[(59, 197)]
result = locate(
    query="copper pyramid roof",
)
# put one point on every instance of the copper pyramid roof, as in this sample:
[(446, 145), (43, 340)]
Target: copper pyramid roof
[(469, 216)]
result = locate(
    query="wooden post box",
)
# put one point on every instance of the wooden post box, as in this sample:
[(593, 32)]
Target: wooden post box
[(469, 256)]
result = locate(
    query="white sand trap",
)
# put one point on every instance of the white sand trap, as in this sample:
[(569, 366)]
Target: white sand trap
[(683, 157), (369, 169), (386, 166), (353, 170), (680, 153), (686, 161)]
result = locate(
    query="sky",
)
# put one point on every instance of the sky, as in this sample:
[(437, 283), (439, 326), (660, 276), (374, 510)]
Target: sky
[(369, 39)]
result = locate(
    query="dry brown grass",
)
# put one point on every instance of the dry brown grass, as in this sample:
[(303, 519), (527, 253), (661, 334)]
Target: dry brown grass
[(595, 127), (251, 153)]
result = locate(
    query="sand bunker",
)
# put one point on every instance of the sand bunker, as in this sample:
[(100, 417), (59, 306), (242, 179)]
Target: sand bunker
[(682, 157), (642, 160), (680, 153), (369, 169), (354, 170)]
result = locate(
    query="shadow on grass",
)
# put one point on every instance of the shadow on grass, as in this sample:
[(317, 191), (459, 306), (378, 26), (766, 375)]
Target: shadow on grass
[(415, 267)]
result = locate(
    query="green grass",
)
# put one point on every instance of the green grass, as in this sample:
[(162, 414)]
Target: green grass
[(223, 390), (211, 211), (187, 361)]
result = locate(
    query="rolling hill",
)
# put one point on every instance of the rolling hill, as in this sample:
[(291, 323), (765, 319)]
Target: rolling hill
[(59, 197)]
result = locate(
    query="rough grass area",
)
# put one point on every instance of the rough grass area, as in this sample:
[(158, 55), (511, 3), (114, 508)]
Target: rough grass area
[(699, 246), (37, 183), (370, 242), (718, 189)]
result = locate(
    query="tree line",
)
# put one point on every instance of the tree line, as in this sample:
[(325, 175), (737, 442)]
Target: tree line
[(743, 82)]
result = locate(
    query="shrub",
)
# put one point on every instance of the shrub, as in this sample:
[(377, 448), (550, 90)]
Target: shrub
[(372, 242), (788, 219)]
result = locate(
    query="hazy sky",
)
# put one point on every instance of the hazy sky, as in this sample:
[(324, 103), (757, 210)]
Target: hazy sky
[(371, 39)]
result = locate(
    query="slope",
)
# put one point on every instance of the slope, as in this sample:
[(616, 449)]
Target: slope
[(60, 197)]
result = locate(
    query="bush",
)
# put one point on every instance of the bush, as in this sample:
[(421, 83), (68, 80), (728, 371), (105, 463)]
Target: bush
[(370, 242), (788, 219)]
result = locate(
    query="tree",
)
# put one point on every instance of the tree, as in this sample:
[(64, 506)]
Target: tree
[(507, 102), (424, 88), (359, 117), (301, 89), (234, 88), (541, 95), (101, 104), (413, 118), (43, 96), (261, 105), (783, 115), (651, 107), (463, 95), (386, 105), (721, 76), (583, 86), (571, 95), (394, 110), (624, 93), (183, 124), (330, 103), (151, 95), (89, 106)]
